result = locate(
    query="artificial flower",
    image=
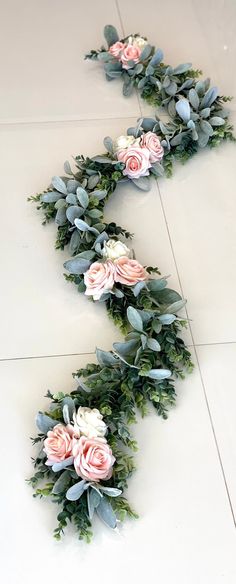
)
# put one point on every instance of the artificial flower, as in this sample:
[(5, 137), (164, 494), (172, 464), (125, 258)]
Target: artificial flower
[(116, 49), (136, 160), (99, 279), (93, 459), (124, 142), (89, 422), (130, 53), (151, 141), (113, 249), (129, 272), (59, 443)]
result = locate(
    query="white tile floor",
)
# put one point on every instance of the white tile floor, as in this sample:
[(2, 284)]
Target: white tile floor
[(53, 105)]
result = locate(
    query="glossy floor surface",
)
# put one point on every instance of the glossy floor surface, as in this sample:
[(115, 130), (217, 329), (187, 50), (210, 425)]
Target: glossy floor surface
[(55, 105)]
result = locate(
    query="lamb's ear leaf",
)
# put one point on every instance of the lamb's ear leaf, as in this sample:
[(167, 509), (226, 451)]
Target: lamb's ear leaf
[(110, 34), (61, 483), (105, 358), (75, 492), (106, 513), (159, 374), (93, 498), (134, 318), (45, 423)]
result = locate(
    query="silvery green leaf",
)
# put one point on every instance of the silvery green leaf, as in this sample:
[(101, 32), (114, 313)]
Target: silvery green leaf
[(153, 345), (66, 414), (158, 169), (166, 81), (217, 121), (172, 88), (74, 212), (134, 318), (113, 66), (104, 56), (93, 499), (142, 183), (127, 88), (146, 315), (126, 348), (69, 402), (111, 491), (93, 181), (99, 194), (177, 139), (82, 197), (71, 199), (114, 74), (206, 127), (148, 124), (59, 184), (157, 326), (74, 242), (171, 108), (106, 513), (75, 492), (183, 109), (205, 112), (143, 341), (159, 374), (111, 34), (203, 139), (193, 98), (138, 68), (191, 125), (142, 83), (50, 197), (105, 358), (156, 285), (77, 265), (194, 116), (101, 159), (223, 113), (94, 213), (138, 287), (72, 185), (108, 143), (149, 70), (164, 129), (194, 135), (83, 226), (67, 168), (182, 68), (62, 483), (118, 293), (176, 306), (187, 84), (44, 423), (157, 58), (101, 238), (200, 88), (58, 466), (86, 255), (167, 318), (168, 296), (146, 52), (61, 218), (209, 97)]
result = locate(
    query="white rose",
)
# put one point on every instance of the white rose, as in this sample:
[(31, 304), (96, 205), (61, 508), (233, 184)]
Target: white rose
[(139, 42), (89, 423), (123, 142), (113, 249)]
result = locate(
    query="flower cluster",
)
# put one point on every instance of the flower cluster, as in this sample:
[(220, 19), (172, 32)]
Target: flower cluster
[(83, 444), (101, 277), (138, 154), (128, 52)]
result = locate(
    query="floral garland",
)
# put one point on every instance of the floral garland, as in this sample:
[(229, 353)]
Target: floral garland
[(82, 461), (197, 117)]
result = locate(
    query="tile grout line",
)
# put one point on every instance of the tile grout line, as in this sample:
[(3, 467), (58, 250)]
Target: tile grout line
[(123, 32), (28, 358), (199, 369), (65, 121)]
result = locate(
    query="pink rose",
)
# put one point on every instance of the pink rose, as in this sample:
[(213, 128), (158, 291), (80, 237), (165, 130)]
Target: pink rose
[(152, 143), (130, 53), (59, 443), (93, 459), (136, 160), (129, 272), (99, 279), (116, 49)]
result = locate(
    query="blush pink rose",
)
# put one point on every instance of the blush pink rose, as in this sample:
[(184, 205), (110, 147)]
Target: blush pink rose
[(152, 143), (59, 443), (130, 53), (93, 459), (116, 49), (136, 160), (129, 272), (99, 279)]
